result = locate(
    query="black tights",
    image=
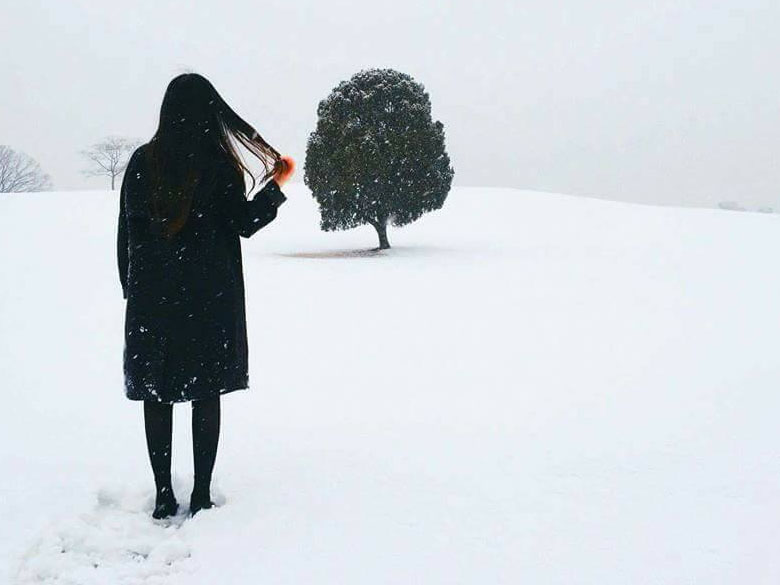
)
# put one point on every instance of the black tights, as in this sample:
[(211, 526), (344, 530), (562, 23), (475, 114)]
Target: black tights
[(158, 420)]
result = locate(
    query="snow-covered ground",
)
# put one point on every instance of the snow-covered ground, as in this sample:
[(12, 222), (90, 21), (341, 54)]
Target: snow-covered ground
[(528, 388)]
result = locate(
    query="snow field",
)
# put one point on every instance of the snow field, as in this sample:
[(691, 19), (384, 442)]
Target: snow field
[(527, 387)]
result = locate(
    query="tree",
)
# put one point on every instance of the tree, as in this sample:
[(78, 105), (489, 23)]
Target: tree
[(109, 157), (376, 156), (21, 173)]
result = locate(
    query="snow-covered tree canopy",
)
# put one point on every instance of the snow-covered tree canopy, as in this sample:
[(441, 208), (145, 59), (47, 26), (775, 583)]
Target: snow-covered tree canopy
[(376, 156)]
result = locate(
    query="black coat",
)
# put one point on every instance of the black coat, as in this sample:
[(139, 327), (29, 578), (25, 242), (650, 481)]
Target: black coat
[(185, 319)]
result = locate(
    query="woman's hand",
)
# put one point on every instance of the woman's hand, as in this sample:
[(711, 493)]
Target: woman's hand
[(286, 170)]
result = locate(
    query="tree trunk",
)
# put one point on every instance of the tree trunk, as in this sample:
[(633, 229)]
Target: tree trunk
[(112, 182), (381, 230)]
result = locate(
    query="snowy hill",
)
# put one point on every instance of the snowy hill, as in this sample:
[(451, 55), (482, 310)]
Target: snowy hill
[(528, 388)]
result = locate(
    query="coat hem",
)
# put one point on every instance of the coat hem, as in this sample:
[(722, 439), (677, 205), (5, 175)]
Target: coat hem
[(220, 392)]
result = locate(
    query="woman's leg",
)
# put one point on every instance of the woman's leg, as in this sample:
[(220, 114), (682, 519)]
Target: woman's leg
[(158, 421), (205, 439)]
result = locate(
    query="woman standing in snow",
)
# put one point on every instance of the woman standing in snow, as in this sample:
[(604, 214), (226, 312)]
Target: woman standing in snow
[(183, 206)]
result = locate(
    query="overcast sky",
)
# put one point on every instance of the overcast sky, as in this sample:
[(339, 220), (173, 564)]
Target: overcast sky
[(668, 102)]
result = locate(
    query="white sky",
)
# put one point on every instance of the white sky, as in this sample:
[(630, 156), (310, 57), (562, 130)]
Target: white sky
[(670, 102)]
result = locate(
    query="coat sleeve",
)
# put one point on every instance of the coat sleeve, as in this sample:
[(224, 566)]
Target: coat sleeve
[(246, 216), (121, 239)]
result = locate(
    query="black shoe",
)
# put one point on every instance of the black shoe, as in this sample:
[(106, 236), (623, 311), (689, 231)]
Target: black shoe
[(166, 505), (200, 502)]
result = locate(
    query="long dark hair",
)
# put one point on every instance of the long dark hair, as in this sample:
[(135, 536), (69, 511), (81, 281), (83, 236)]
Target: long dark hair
[(197, 132)]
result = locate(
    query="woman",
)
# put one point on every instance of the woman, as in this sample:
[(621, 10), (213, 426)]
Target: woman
[(183, 207)]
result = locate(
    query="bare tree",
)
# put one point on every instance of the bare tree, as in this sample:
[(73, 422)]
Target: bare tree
[(109, 157), (19, 172)]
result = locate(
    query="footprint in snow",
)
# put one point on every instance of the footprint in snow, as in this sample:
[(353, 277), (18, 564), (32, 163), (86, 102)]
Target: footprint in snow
[(115, 542)]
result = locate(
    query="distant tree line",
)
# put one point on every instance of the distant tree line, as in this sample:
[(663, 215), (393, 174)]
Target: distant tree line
[(20, 173), (734, 206)]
